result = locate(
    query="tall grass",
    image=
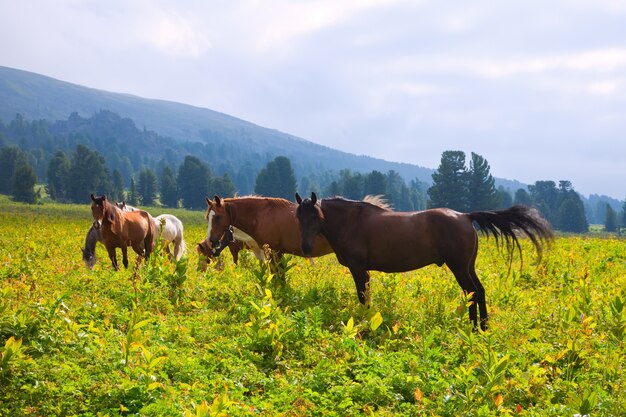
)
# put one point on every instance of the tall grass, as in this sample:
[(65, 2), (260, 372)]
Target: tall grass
[(165, 339)]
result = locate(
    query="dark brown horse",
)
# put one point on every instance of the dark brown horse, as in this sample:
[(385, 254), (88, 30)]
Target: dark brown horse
[(207, 253), (366, 237), (258, 221), (120, 229)]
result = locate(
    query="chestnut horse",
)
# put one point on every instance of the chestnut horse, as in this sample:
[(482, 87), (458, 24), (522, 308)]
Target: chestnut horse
[(208, 254), (168, 227), (366, 237), (118, 229), (258, 221)]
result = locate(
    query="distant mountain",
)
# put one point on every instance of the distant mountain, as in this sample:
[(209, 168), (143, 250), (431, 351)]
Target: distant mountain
[(39, 97)]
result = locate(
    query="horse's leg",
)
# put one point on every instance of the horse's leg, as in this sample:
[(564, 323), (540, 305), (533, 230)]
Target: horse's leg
[(468, 280), (113, 257), (362, 281), (125, 255), (479, 295)]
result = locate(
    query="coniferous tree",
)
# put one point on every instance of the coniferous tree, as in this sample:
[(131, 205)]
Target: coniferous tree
[(222, 186), (133, 193), (481, 185), (194, 179), (544, 195), (117, 190), (375, 183), (23, 183), (623, 220), (449, 187), (147, 186), (169, 191), (504, 198), (610, 219), (88, 174), (571, 211), (522, 197), (10, 158), (277, 179), (58, 172)]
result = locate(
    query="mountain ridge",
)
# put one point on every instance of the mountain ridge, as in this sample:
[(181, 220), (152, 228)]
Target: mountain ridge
[(36, 96)]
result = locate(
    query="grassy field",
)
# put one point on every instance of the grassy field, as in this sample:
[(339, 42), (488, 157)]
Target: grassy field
[(165, 339)]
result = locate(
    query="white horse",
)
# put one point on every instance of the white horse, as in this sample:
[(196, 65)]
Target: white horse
[(169, 228)]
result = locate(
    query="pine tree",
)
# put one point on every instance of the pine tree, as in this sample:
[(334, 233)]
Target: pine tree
[(222, 186), (10, 158), (23, 183), (375, 183), (58, 173), (522, 197), (450, 182), (610, 219), (169, 191), (117, 191), (481, 186), (277, 179), (133, 193), (88, 174), (147, 186), (194, 178)]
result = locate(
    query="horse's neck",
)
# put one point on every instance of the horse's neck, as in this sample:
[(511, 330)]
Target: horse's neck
[(245, 213), (93, 236), (336, 216)]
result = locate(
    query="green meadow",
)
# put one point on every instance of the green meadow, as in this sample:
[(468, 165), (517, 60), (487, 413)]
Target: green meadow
[(166, 339)]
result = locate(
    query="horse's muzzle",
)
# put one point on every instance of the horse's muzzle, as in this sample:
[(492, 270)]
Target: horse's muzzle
[(307, 248), (97, 224)]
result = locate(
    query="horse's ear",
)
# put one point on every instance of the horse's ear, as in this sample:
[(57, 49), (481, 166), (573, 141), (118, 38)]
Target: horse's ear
[(298, 198), (218, 200), (93, 198), (313, 197), (208, 201)]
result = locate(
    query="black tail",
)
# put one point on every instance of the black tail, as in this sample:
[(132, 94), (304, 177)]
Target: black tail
[(507, 223)]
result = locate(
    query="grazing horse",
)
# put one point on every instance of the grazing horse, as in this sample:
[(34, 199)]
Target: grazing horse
[(366, 237), (89, 250), (207, 253), (258, 221), (119, 229), (169, 227)]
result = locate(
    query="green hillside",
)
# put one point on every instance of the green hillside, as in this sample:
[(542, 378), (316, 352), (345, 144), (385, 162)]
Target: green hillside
[(39, 97)]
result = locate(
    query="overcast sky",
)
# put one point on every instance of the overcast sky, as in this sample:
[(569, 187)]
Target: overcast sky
[(538, 88)]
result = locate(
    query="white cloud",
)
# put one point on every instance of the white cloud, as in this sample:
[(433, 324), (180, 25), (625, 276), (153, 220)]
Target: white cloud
[(173, 33)]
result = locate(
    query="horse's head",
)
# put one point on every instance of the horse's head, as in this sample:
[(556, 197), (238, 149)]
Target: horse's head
[(101, 209), (310, 218), (218, 220), (89, 257)]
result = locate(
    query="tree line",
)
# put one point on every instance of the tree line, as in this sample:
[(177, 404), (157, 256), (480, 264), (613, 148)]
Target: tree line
[(70, 178)]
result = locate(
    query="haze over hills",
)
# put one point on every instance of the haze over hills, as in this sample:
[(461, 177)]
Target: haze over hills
[(36, 96)]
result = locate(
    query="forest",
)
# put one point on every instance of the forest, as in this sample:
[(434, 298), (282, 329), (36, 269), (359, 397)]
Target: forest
[(108, 154)]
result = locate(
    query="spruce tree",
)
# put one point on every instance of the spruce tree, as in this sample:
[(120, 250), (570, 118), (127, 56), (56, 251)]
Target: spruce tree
[(117, 190), (23, 183), (58, 172), (277, 179), (610, 219), (450, 182), (147, 186), (88, 174), (481, 186), (169, 191), (10, 158), (194, 178)]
